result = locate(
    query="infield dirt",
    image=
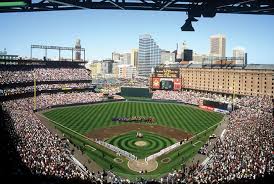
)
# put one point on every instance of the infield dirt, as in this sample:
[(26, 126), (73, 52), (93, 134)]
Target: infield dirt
[(106, 133)]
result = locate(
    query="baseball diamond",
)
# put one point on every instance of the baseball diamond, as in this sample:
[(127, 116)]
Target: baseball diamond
[(174, 123), (149, 144)]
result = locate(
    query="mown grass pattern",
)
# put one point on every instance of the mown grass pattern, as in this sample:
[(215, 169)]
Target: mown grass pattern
[(154, 143), (83, 119)]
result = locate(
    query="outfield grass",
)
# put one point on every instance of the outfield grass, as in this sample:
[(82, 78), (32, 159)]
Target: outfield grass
[(83, 119), (77, 121)]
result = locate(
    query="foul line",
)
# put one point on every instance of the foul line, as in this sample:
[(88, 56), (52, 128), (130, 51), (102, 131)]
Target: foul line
[(93, 149), (196, 143), (78, 134)]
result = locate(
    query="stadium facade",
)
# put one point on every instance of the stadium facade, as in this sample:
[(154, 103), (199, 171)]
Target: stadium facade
[(252, 79)]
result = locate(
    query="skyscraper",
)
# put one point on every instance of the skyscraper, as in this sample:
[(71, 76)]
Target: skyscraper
[(217, 45), (149, 55), (134, 57), (239, 53), (180, 50)]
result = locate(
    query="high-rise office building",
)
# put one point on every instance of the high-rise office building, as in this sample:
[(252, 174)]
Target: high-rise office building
[(167, 57), (126, 71), (125, 58), (115, 69), (116, 56), (199, 58), (96, 69), (107, 66), (188, 55), (240, 55), (217, 45), (180, 50), (134, 57), (149, 55), (78, 50)]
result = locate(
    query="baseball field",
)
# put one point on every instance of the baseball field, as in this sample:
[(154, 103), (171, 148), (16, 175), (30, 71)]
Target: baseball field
[(173, 123)]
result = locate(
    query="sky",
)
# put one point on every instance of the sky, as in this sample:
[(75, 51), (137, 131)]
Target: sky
[(104, 31)]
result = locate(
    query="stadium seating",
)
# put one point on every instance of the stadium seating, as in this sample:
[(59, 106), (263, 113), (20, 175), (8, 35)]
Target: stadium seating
[(243, 154)]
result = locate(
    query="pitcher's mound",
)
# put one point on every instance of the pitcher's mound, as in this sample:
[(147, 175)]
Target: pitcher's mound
[(140, 143), (142, 165)]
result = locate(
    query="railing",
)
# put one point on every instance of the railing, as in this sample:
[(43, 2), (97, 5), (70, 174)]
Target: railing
[(163, 151), (117, 150)]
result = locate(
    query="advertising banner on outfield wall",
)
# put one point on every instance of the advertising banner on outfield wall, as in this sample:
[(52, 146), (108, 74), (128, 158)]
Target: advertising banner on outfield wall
[(156, 83), (206, 108), (221, 111), (177, 84)]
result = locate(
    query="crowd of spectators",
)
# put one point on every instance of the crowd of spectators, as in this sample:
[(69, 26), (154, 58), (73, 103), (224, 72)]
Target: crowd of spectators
[(61, 74), (48, 100), (197, 97), (42, 74), (245, 151), (262, 103), (27, 89), (40, 150), (190, 96), (204, 149)]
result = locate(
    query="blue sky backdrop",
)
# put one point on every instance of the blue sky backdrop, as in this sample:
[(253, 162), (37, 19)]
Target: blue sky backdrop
[(104, 31)]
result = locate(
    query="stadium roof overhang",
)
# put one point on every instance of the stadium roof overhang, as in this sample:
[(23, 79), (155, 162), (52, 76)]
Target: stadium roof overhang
[(195, 8)]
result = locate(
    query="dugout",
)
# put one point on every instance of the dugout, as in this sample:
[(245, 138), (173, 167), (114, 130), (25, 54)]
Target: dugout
[(136, 92)]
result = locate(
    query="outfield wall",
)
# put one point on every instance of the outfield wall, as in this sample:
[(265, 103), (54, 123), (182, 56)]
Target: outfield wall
[(77, 104), (135, 92), (159, 101)]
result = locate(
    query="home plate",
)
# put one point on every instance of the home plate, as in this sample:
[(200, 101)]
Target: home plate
[(142, 165)]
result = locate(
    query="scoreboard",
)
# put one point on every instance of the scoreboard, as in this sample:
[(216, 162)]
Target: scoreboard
[(167, 72), (166, 79)]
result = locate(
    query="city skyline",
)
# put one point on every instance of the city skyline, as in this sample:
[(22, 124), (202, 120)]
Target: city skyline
[(119, 31)]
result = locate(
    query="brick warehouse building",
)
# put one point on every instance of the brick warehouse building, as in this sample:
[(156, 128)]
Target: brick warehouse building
[(251, 79)]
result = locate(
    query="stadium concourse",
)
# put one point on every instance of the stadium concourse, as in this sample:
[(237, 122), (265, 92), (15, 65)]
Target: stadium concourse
[(242, 154)]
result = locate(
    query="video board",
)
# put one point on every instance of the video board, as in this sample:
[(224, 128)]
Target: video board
[(166, 83)]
